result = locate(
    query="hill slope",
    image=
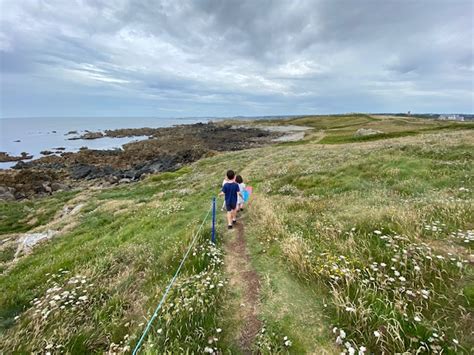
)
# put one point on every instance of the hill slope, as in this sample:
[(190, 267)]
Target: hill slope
[(360, 245)]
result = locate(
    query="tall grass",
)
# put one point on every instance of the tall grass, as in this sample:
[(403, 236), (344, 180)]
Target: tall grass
[(385, 238)]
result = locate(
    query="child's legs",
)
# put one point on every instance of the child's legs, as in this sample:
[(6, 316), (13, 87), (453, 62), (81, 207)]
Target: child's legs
[(229, 218), (234, 214)]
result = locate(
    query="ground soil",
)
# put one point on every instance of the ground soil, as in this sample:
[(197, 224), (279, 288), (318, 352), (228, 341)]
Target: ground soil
[(243, 277)]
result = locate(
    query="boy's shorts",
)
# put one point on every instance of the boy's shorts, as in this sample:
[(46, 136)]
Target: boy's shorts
[(230, 206)]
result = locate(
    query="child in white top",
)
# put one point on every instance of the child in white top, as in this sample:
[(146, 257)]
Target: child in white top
[(240, 200)]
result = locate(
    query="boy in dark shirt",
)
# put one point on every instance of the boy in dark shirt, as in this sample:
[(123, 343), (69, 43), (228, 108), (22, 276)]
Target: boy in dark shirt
[(231, 191)]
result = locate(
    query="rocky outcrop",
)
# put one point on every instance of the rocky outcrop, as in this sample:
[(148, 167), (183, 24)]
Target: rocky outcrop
[(88, 135), (5, 157)]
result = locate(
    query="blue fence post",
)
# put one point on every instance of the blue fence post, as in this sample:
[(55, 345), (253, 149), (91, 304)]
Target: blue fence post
[(214, 220)]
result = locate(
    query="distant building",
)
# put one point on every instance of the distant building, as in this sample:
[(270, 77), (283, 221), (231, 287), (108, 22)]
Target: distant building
[(452, 117)]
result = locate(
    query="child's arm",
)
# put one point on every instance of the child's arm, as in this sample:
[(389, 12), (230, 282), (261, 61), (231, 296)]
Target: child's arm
[(221, 193)]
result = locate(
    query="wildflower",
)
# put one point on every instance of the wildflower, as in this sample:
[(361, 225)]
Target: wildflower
[(377, 334), (351, 350), (362, 350), (350, 309), (334, 330), (342, 334), (417, 319), (208, 350), (455, 341), (220, 330), (417, 268), (288, 343), (377, 232), (159, 331)]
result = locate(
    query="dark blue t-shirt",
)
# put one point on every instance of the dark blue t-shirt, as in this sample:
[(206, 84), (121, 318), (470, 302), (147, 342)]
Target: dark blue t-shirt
[(230, 190)]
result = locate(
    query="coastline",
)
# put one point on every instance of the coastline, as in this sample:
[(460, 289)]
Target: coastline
[(163, 149)]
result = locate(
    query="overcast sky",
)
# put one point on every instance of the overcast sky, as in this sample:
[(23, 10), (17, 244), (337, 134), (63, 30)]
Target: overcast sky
[(225, 58)]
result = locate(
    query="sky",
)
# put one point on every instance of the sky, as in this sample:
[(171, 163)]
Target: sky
[(229, 58)]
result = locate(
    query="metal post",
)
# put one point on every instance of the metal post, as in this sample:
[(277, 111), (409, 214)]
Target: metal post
[(214, 220)]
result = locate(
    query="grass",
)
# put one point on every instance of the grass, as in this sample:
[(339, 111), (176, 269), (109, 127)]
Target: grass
[(346, 222), (25, 215), (329, 227)]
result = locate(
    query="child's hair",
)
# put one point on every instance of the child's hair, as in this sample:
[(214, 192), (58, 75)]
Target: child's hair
[(230, 174), (238, 179)]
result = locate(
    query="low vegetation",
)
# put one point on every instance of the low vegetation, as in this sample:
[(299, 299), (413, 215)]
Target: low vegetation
[(360, 248)]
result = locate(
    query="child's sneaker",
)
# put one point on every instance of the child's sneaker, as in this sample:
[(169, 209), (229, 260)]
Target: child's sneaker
[(234, 221), (229, 227)]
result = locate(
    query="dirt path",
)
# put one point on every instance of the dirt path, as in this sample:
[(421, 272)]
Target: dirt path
[(242, 277)]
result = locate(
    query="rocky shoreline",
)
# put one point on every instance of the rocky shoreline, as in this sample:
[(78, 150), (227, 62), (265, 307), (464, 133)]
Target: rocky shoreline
[(5, 157), (166, 149)]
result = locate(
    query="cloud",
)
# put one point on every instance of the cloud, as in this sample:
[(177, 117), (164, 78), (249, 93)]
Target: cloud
[(235, 57)]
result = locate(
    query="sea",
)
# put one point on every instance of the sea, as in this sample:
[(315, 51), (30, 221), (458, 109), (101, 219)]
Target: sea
[(33, 135)]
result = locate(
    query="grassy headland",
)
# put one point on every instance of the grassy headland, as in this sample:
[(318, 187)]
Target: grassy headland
[(360, 242)]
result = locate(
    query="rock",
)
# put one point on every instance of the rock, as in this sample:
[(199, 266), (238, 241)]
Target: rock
[(71, 132), (80, 171), (5, 157), (92, 135), (88, 135), (28, 241), (46, 152), (54, 131), (125, 181), (7, 193), (366, 132), (57, 186), (17, 141), (111, 179), (47, 188), (20, 165), (59, 148)]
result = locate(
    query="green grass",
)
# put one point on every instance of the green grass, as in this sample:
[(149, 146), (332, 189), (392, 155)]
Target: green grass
[(319, 209), (313, 204), (22, 216)]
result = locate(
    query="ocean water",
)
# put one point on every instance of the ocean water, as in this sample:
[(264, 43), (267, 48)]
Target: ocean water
[(36, 134)]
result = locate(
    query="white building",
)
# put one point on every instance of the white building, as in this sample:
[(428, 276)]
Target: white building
[(452, 117)]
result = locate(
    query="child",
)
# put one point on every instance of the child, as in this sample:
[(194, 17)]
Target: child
[(231, 192), (240, 200), (225, 181)]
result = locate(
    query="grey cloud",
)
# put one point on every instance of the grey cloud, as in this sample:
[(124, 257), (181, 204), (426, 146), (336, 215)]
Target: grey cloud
[(246, 57)]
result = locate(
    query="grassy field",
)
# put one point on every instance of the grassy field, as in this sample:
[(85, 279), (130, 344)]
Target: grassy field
[(361, 245)]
